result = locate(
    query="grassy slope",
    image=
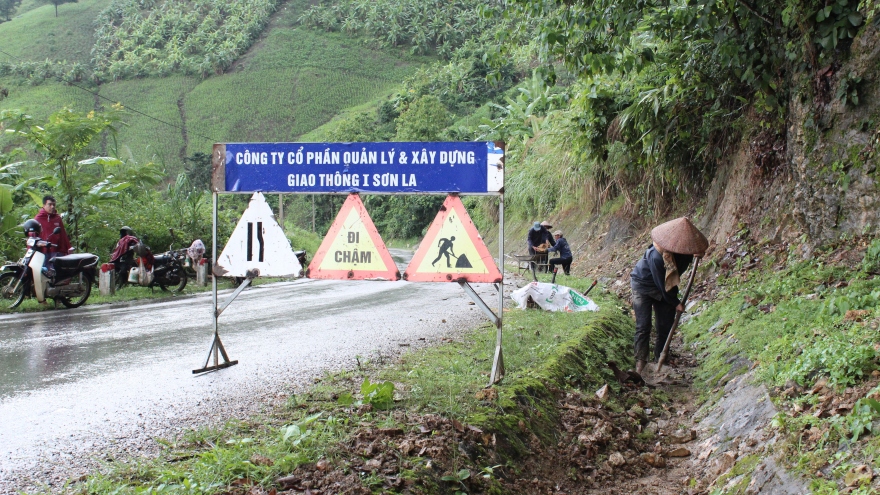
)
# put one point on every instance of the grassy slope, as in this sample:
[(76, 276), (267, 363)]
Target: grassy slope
[(307, 86), (543, 353), (291, 82), (37, 34), (145, 138)]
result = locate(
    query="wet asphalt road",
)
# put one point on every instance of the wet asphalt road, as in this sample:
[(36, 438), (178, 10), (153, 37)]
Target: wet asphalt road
[(103, 382)]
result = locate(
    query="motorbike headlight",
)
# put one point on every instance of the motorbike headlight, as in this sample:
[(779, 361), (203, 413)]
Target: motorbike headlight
[(31, 241)]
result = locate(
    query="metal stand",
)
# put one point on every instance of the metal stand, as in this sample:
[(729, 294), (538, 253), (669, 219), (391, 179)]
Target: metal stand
[(498, 361), (498, 320), (217, 348)]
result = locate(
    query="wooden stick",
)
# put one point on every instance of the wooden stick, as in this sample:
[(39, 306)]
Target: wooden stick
[(684, 299)]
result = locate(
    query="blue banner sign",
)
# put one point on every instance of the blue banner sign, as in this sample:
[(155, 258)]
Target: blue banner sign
[(384, 168)]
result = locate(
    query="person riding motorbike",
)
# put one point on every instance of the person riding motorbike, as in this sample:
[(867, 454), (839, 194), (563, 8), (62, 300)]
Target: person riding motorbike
[(68, 280), (49, 219), (127, 240), (123, 256)]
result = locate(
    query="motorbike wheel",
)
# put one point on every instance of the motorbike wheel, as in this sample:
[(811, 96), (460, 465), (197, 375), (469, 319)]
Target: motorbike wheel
[(175, 288), (79, 301), (10, 295)]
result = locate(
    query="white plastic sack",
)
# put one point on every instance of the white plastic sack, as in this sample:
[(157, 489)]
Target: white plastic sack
[(553, 297)]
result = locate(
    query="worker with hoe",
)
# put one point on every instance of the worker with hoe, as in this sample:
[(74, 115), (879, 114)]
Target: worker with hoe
[(655, 280)]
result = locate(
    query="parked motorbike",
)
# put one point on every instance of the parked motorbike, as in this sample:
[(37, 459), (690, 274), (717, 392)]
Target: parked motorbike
[(69, 279), (167, 270)]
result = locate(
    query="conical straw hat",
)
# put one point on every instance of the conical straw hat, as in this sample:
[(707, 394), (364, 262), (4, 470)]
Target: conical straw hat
[(680, 236)]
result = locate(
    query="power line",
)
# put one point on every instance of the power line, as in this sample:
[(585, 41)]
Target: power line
[(131, 109)]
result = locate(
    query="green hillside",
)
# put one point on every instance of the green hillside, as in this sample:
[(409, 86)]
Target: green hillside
[(291, 82), (37, 35)]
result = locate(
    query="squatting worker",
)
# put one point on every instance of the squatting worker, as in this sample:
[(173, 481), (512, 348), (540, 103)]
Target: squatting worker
[(564, 251), (655, 280)]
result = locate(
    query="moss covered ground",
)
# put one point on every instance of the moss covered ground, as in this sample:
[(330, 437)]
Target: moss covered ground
[(807, 329)]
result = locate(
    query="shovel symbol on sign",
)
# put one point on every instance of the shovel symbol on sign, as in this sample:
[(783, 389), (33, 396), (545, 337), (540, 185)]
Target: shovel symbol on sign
[(445, 246)]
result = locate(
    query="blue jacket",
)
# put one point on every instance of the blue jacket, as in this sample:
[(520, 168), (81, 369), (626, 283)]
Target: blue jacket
[(562, 248), (649, 275)]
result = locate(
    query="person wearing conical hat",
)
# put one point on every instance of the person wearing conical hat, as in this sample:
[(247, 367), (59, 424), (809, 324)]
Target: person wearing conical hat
[(655, 279)]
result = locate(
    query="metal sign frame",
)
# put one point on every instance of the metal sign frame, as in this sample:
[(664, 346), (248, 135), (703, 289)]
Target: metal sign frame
[(494, 187)]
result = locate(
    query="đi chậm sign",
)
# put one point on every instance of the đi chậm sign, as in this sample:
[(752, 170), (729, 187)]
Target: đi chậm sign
[(374, 168)]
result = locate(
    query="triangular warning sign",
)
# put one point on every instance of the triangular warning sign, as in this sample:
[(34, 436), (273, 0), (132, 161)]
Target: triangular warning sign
[(353, 249), (452, 250), (258, 243)]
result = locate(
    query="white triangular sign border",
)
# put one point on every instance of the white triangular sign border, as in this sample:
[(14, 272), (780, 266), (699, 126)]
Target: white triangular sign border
[(279, 259)]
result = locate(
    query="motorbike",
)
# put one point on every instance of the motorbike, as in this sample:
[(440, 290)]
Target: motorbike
[(68, 281), (166, 270)]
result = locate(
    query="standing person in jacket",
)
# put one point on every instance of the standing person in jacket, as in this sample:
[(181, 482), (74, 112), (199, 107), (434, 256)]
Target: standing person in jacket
[(655, 279), (50, 219), (534, 237), (561, 246)]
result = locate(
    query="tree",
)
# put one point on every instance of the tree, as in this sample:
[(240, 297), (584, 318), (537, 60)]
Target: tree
[(424, 120), (64, 142), (198, 170), (56, 3), (7, 8)]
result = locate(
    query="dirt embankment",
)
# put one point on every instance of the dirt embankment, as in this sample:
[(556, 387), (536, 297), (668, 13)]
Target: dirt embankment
[(779, 196)]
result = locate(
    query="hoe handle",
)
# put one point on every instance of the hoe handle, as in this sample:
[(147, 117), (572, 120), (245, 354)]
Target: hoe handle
[(687, 292)]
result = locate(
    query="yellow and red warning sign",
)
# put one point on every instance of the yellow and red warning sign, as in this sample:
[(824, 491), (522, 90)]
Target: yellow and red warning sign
[(452, 250), (353, 249)]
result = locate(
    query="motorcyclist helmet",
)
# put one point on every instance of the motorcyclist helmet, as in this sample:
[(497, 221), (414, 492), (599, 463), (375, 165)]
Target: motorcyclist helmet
[(124, 231), (32, 227)]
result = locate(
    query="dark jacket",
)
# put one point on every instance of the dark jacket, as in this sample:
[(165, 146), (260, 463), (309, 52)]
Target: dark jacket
[(533, 238), (49, 223), (649, 275), (562, 248)]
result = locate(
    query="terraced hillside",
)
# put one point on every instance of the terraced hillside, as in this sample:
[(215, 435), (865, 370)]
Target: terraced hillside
[(290, 82)]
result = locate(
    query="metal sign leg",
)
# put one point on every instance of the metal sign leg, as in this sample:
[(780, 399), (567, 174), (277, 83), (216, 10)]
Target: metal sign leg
[(217, 348), (498, 362)]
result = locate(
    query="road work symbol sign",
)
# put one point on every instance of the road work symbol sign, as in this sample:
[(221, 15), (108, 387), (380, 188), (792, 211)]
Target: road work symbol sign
[(452, 250), (353, 249), (258, 243)]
